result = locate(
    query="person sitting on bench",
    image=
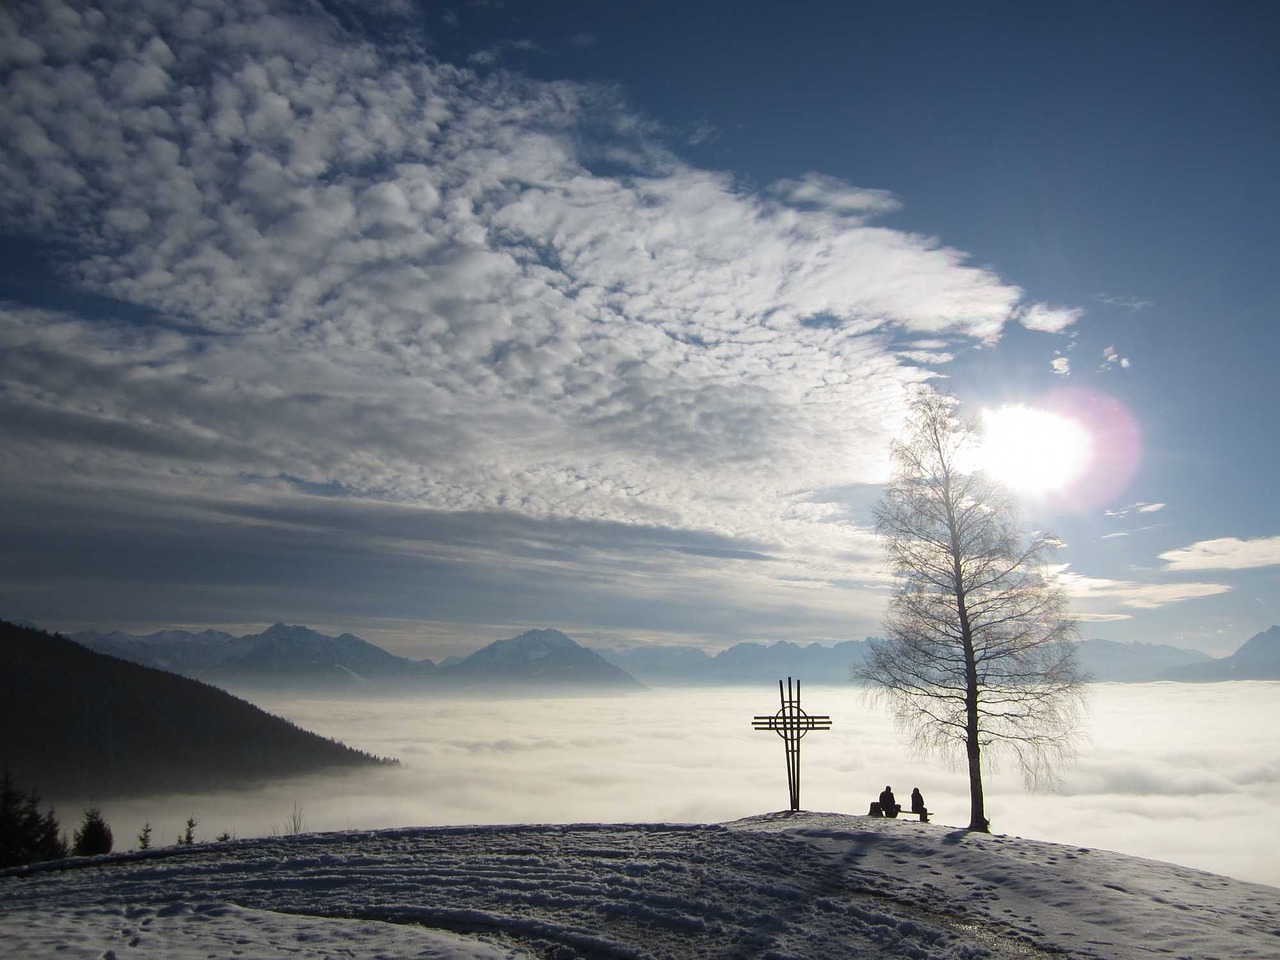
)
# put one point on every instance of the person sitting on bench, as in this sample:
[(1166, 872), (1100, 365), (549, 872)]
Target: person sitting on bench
[(917, 803), (888, 805)]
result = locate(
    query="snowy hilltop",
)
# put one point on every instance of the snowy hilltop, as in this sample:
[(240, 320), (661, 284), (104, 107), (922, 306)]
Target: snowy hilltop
[(783, 885)]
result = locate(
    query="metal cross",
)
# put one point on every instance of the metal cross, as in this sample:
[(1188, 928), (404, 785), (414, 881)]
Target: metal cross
[(791, 723)]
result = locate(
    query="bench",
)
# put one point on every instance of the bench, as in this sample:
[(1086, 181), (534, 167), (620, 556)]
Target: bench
[(877, 811)]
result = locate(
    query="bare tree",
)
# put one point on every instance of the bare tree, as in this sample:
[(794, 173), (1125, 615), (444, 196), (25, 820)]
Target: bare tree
[(976, 661), (297, 823)]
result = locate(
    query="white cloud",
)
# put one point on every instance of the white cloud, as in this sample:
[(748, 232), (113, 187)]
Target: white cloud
[(1138, 507), (488, 57), (1225, 553), (831, 193), (1061, 366), (1133, 304), (1129, 593), (1111, 358), (1046, 318)]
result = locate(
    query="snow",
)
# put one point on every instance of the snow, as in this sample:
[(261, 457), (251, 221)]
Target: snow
[(782, 885)]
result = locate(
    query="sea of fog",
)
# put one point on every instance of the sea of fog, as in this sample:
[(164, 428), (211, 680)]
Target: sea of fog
[(1188, 773)]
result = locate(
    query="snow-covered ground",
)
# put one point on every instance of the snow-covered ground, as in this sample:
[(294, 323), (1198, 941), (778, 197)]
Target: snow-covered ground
[(779, 885)]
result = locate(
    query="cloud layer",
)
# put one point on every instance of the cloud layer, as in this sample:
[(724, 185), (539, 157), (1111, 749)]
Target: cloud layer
[(1160, 755), (310, 266)]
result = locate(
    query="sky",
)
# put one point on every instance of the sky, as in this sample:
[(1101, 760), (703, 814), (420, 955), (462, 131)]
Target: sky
[(436, 322)]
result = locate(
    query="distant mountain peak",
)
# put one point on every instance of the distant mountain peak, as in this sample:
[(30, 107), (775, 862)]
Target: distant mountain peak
[(545, 636), (542, 656), (289, 631), (1264, 646)]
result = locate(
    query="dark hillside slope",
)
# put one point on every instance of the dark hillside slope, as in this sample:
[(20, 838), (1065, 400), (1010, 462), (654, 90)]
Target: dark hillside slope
[(82, 724)]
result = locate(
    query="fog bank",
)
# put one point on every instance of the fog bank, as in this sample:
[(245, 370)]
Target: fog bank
[(1188, 773)]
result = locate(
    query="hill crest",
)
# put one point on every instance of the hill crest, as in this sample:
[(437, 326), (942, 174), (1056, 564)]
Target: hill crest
[(831, 885)]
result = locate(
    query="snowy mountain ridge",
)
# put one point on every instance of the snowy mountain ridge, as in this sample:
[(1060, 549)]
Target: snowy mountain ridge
[(280, 655), (781, 885), (285, 656), (544, 656), (301, 656), (751, 662)]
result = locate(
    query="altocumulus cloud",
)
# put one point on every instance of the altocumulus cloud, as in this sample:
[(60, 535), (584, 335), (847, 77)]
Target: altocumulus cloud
[(318, 267), (1225, 553)]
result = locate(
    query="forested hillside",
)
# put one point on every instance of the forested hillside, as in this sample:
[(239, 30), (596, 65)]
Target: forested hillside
[(81, 724)]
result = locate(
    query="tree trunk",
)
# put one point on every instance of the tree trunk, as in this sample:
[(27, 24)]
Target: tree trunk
[(977, 809), (977, 813)]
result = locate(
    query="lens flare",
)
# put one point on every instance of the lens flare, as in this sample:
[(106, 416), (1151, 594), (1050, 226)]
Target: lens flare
[(1034, 452), (1077, 448)]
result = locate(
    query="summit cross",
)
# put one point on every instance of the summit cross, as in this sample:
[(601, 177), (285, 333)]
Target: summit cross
[(791, 723)]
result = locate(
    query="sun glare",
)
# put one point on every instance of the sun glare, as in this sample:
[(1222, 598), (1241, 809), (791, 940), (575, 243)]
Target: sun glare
[(1033, 452)]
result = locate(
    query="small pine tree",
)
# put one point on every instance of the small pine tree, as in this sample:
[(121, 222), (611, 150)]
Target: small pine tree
[(224, 836), (189, 836), (94, 836), (10, 824), (144, 836), (29, 827), (26, 836), (51, 842), (41, 833)]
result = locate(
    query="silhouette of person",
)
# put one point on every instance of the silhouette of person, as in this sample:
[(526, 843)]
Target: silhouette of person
[(917, 803), (888, 805)]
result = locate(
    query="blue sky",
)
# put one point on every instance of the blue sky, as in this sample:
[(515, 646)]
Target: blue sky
[(436, 322)]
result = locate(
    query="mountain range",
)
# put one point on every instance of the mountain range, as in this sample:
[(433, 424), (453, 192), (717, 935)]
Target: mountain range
[(1103, 660), (280, 656), (1110, 661), (299, 657), (742, 663)]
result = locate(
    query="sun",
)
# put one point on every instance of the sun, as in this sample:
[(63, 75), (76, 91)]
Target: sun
[(1033, 452)]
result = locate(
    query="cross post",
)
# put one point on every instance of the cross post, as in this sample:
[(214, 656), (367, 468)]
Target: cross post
[(791, 723)]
